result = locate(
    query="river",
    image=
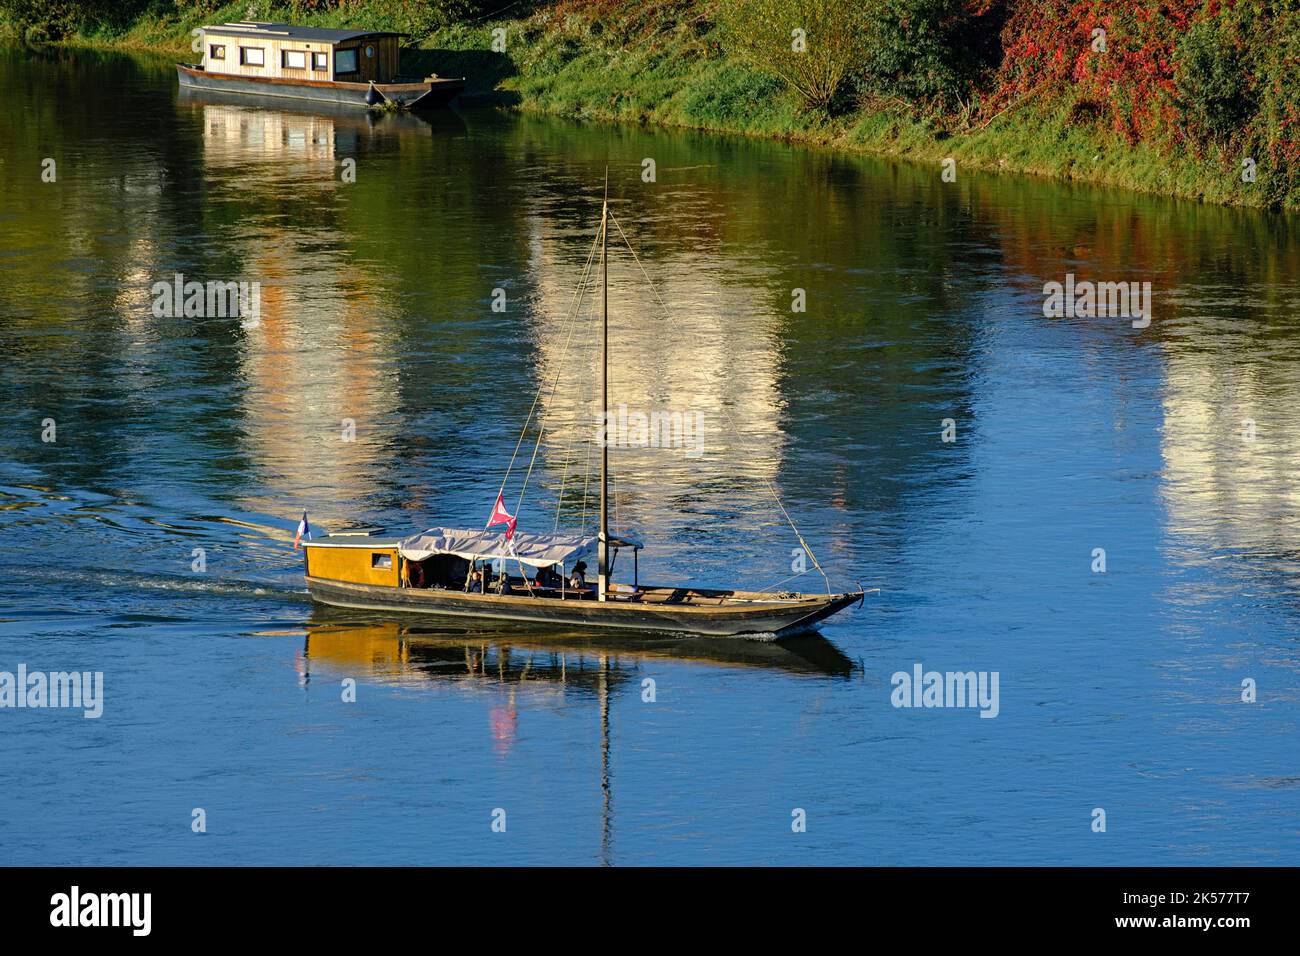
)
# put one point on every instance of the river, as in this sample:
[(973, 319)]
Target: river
[(153, 469)]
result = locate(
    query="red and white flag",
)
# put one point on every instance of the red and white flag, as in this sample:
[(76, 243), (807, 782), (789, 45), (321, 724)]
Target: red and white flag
[(304, 530), (501, 516)]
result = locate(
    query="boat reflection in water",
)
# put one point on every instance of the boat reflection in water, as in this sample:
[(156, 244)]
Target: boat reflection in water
[(525, 664), (254, 127), (407, 652)]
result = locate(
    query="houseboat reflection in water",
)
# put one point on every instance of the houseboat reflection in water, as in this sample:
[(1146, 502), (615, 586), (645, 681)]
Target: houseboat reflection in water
[(251, 127)]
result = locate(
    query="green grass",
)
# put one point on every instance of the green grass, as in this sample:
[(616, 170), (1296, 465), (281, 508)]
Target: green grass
[(660, 62)]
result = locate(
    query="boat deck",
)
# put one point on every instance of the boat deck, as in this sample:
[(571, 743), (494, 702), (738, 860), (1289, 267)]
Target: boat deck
[(701, 597), (694, 610)]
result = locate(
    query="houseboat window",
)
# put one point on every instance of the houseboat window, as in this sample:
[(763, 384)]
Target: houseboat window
[(370, 52), (294, 60), (320, 61), (252, 56), (384, 561), (345, 61), (217, 51)]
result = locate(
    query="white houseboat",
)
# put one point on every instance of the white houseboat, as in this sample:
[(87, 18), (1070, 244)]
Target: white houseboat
[(348, 67)]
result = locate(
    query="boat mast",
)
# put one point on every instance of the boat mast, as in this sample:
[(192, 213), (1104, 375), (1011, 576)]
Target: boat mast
[(603, 546)]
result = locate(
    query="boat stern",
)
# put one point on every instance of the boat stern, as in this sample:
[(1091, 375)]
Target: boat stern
[(356, 561)]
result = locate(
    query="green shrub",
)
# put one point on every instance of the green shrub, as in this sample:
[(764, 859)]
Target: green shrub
[(1211, 81), (815, 46), (929, 53), (41, 20)]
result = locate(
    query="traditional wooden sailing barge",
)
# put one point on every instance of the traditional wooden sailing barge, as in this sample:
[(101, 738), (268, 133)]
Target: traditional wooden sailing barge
[(442, 571)]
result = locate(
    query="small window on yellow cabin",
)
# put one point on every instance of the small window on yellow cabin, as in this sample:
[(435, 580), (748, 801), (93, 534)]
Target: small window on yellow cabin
[(320, 61), (217, 51), (293, 59), (380, 560)]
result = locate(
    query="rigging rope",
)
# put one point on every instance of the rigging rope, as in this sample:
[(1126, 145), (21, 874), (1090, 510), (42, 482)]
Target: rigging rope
[(730, 421), (541, 425), (586, 482), (584, 400), (573, 310), (564, 478), (571, 324)]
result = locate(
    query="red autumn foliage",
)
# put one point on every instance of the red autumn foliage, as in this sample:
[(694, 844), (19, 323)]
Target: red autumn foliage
[(1049, 45)]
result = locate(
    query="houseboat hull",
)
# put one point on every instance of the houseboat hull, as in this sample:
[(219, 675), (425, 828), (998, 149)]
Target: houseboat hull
[(424, 94), (729, 617)]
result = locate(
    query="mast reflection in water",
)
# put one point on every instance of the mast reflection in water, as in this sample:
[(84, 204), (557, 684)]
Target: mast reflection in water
[(520, 671)]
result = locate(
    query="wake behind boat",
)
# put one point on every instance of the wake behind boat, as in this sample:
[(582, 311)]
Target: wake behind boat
[(449, 571)]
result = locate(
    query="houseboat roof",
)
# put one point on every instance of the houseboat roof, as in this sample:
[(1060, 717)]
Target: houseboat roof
[(286, 31)]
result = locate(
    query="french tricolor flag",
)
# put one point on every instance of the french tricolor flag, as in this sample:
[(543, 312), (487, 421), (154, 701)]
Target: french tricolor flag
[(304, 531)]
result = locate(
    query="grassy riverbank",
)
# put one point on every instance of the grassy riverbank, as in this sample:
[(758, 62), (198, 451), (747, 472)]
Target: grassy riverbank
[(1128, 116)]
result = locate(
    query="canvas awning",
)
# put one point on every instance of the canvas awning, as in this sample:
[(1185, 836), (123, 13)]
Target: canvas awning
[(535, 550)]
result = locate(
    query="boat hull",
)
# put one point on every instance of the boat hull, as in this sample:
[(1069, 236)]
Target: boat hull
[(412, 96), (767, 617)]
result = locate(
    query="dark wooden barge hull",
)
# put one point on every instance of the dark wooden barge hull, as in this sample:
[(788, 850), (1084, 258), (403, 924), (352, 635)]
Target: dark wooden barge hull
[(774, 616), (412, 96)]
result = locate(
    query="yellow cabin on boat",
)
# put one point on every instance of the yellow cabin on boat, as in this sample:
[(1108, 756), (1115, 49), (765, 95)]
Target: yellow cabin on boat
[(361, 562)]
